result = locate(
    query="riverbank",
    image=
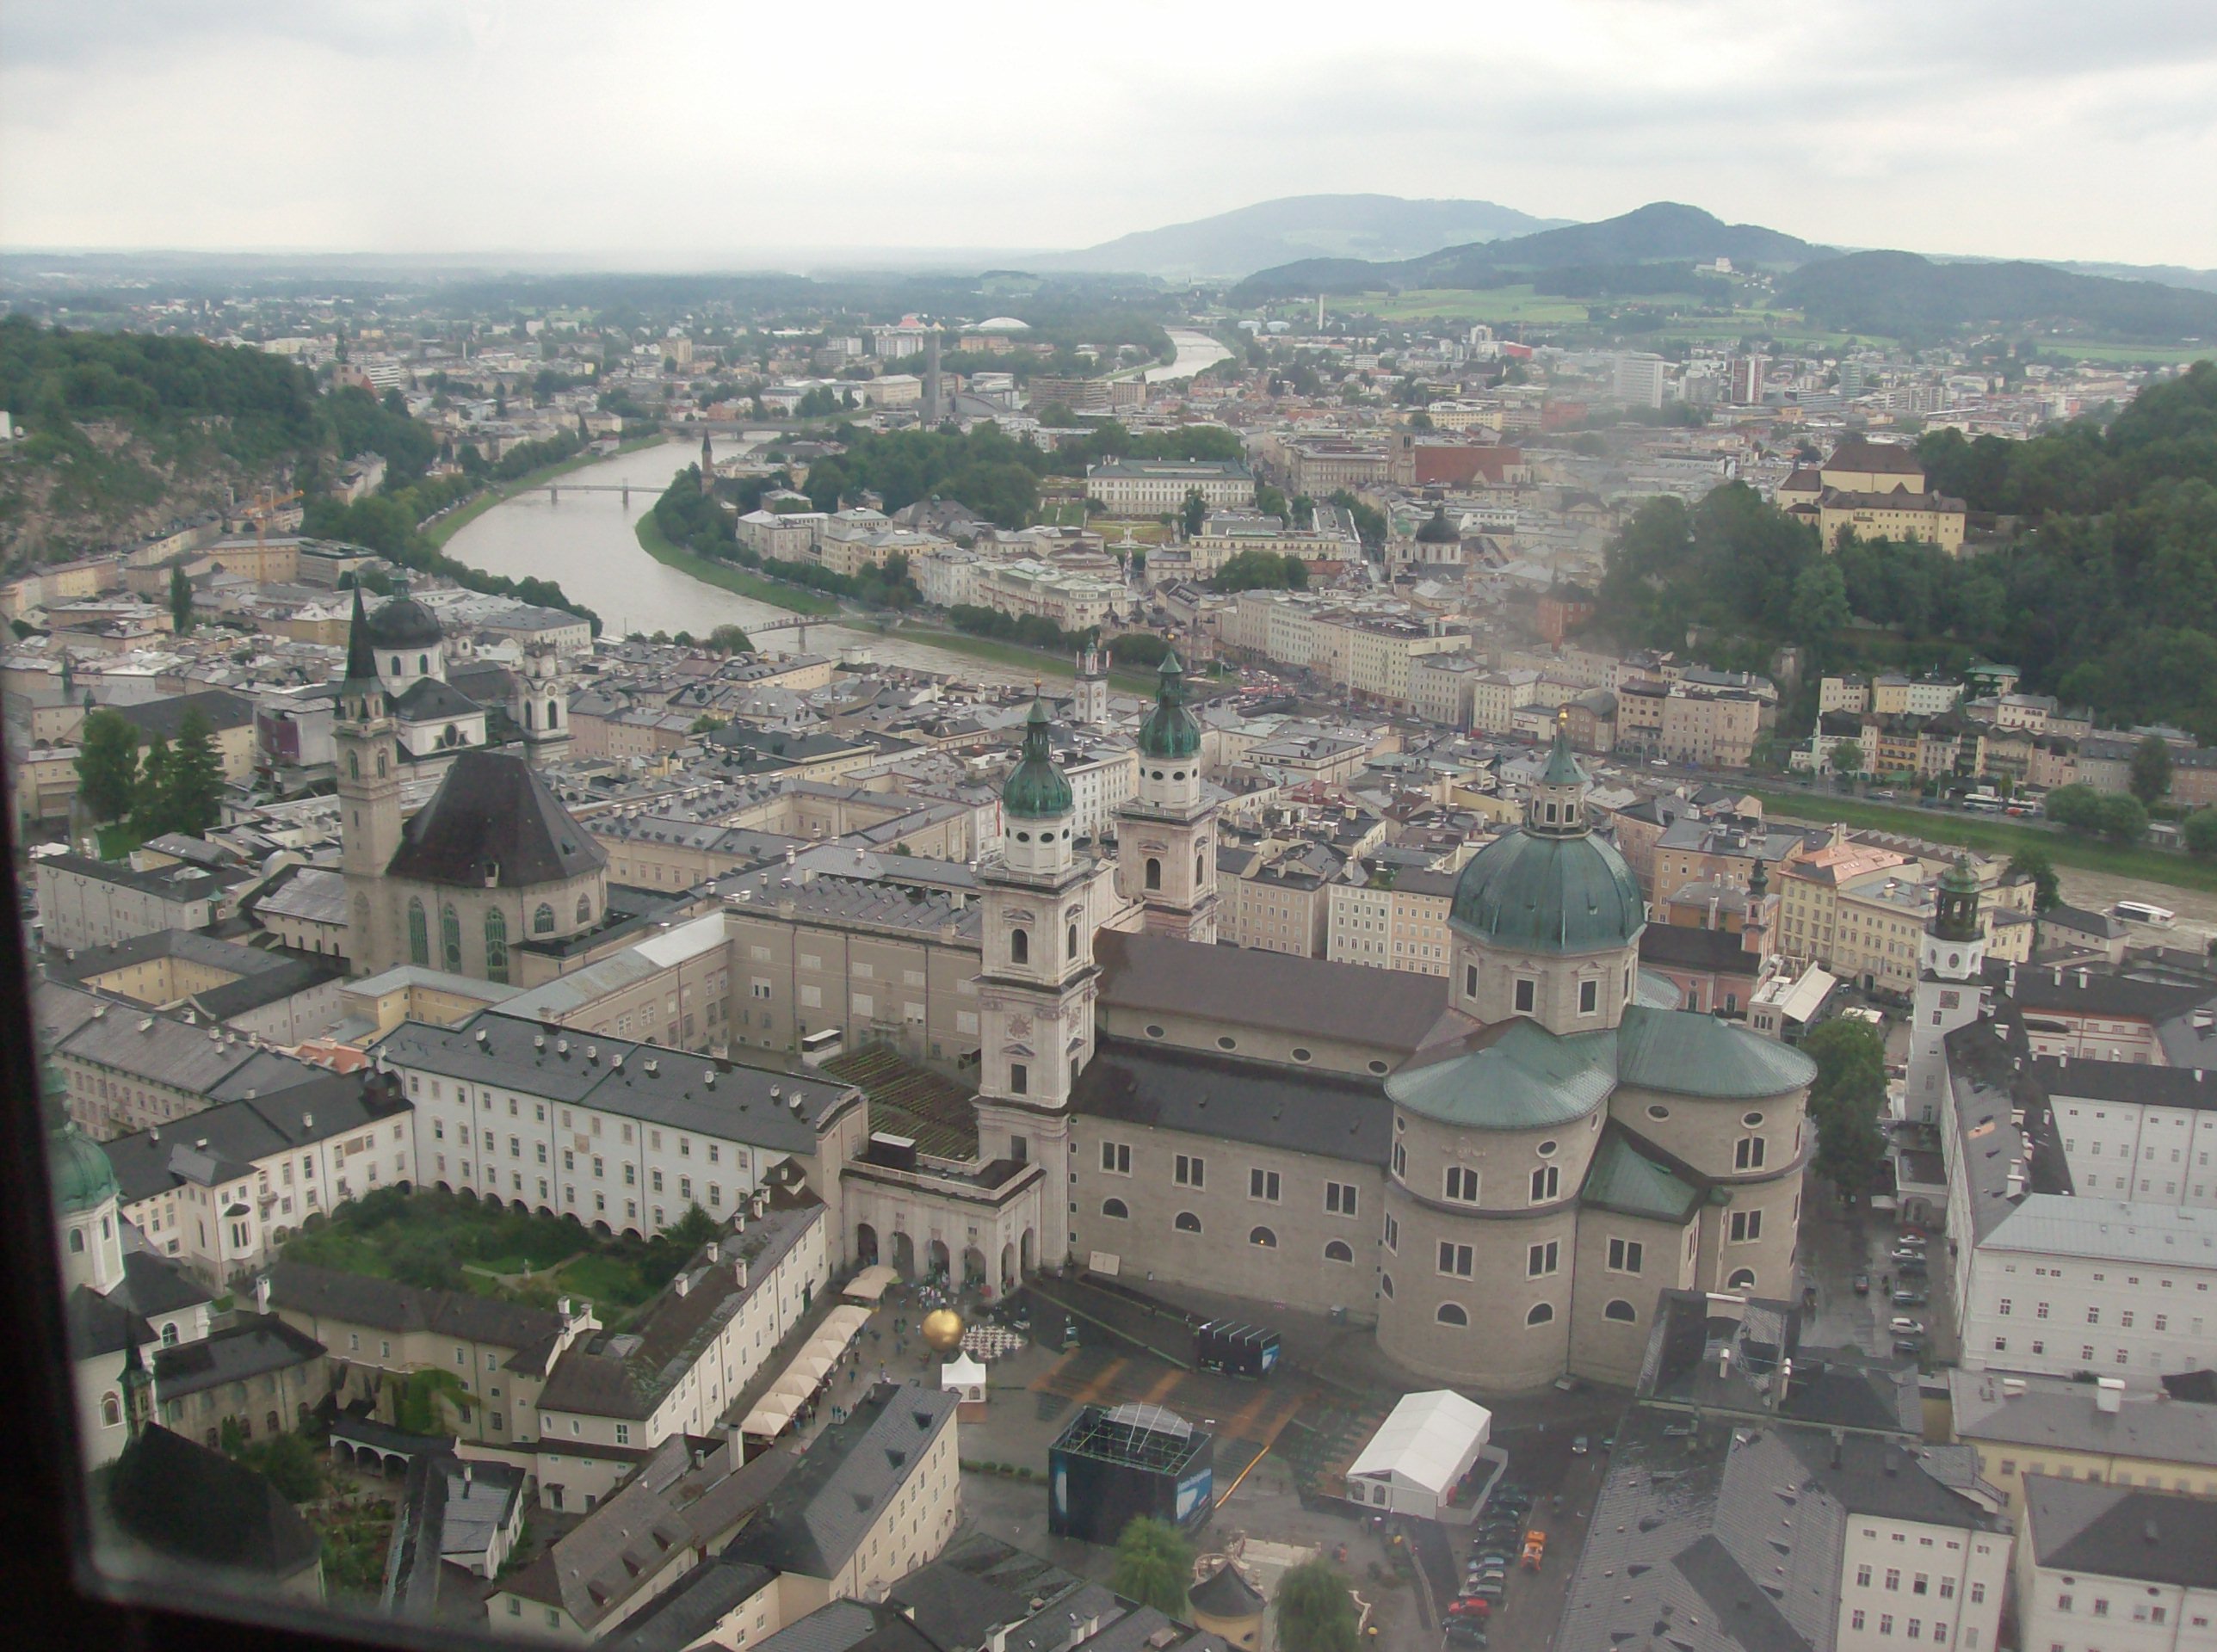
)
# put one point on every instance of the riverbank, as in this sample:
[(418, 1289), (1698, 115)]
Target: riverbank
[(1998, 839), (727, 575), (462, 516), (994, 651)]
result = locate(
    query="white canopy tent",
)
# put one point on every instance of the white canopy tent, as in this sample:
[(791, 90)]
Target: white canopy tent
[(1420, 1453), (964, 1376), (772, 1417)]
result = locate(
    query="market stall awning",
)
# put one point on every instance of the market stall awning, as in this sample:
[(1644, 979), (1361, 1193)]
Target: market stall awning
[(870, 1284)]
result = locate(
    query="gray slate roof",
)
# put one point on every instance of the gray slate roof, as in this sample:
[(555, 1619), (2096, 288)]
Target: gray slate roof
[(1389, 1010), (1302, 1110), (2108, 1531), (493, 819)]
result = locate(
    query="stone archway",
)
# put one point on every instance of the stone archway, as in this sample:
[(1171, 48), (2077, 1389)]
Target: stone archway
[(866, 1245), (1009, 1277), (937, 1261), (341, 1454), (973, 1269), (904, 1255), (1028, 1256)]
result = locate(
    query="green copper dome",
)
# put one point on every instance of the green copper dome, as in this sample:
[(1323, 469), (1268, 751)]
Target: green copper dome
[(1553, 887), (84, 1178), (1170, 729), (1037, 791)]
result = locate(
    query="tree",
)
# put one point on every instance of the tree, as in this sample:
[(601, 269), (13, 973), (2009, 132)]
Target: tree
[(2075, 808), (1153, 1566), (1315, 1612), (1249, 570), (1193, 512), (107, 766), (729, 639), (181, 599), (289, 1463), (2047, 889), (1846, 1102), (2150, 775), (192, 792), (1270, 500), (152, 787), (2123, 820), (1819, 605), (2199, 831)]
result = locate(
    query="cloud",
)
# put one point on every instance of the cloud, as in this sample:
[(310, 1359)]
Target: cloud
[(422, 126)]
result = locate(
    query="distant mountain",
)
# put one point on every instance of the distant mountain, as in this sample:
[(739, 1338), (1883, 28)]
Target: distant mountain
[(1662, 232), (1235, 244), (2202, 280), (1900, 295)]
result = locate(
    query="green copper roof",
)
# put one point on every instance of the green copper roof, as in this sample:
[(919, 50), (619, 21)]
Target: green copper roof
[(1623, 1179), (1562, 763), (1170, 729), (1549, 895), (1689, 1054), (1525, 1079), (83, 1180), (1037, 789)]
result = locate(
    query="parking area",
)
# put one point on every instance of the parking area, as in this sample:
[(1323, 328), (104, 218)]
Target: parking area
[(1838, 1245)]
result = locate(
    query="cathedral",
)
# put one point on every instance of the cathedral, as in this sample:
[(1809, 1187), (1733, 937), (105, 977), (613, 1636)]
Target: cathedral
[(1499, 1170), (493, 862)]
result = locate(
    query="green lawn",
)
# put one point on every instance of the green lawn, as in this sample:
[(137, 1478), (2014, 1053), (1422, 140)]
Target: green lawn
[(446, 527), (2154, 354), (432, 1239), (1997, 838), (1458, 304), (731, 576), (117, 840)]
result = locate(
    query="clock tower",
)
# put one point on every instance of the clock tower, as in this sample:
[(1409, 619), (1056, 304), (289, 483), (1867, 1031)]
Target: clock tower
[(1166, 834)]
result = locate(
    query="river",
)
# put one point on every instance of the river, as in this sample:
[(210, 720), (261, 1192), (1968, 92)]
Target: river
[(584, 542), (1196, 352)]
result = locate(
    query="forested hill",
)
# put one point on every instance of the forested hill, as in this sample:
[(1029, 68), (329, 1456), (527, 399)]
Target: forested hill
[(2108, 597), (129, 431), (1900, 295)]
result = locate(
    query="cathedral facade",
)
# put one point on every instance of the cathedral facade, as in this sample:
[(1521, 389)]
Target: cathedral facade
[(1499, 1171)]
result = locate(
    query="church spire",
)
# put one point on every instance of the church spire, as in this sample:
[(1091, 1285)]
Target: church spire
[(1557, 805), (361, 658)]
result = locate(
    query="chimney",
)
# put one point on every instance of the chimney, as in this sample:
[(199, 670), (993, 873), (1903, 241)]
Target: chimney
[(683, 1285), (715, 1250), (2109, 1395), (739, 1268), (2149, 1534), (466, 1473), (733, 1445), (261, 1293)]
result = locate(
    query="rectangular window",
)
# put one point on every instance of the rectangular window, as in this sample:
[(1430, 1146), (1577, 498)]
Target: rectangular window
[(1263, 1185), (1625, 1256), (1339, 1197), (1746, 1226), (1526, 995), (1189, 1168), (1747, 1153), (1539, 1260), (1116, 1158), (1589, 997), (1462, 1184), (1546, 1181), (1019, 1079)]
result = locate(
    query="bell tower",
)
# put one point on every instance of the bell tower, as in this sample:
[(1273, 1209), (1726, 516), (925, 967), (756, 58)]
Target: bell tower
[(1166, 834), (366, 740), (1090, 707), (1036, 989), (542, 707), (1950, 987)]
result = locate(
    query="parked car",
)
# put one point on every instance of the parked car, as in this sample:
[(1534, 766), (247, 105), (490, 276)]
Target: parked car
[(1909, 1346), (1907, 1298), (1863, 1284), (1580, 1446), (1491, 1590), (1466, 1632), (1679, 1430), (1911, 1267), (1903, 1326)]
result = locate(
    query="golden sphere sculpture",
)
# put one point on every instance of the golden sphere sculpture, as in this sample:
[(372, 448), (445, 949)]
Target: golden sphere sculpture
[(942, 1330)]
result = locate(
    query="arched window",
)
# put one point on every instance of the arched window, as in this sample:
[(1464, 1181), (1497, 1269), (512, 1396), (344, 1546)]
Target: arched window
[(1451, 1313), (542, 920), (111, 1410), (1621, 1309), (584, 908), (396, 665), (1742, 1279), (1073, 941), (1185, 1222), (1339, 1251), (1154, 872), (1264, 1238), (450, 937), (380, 762), (169, 1334), (495, 928), (270, 1422), (553, 714), (1199, 876), (419, 935), (1541, 1314), (1115, 1210), (530, 712), (354, 765), (422, 662), (1020, 947), (76, 1242)]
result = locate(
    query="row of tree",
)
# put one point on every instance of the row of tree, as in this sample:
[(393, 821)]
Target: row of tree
[(1153, 1565)]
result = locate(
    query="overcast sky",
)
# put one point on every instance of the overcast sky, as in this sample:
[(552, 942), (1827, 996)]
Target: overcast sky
[(687, 132)]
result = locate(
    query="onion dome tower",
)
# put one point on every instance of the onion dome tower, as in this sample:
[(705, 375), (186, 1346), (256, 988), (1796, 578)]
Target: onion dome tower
[(1166, 834)]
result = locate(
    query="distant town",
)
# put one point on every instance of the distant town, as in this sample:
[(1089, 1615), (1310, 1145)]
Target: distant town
[(1019, 961)]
